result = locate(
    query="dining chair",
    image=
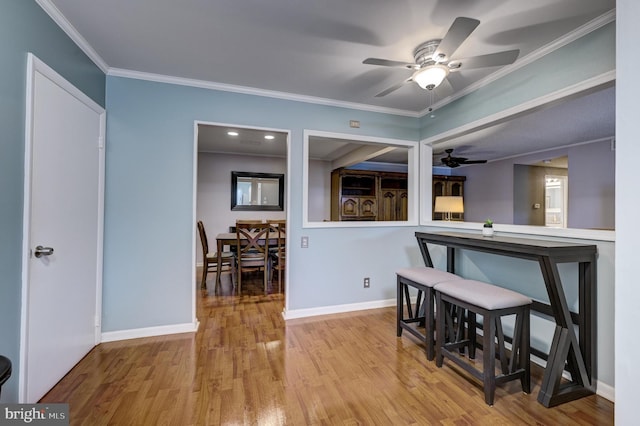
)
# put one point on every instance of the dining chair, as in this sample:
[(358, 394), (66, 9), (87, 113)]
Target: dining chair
[(277, 255), (210, 260), (252, 248), (255, 223)]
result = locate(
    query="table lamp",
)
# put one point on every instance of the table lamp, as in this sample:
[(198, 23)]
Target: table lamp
[(448, 205)]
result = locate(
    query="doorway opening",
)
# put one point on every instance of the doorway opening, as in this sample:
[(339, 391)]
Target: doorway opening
[(222, 151)]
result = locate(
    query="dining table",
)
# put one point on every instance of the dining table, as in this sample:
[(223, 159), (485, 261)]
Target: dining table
[(230, 239)]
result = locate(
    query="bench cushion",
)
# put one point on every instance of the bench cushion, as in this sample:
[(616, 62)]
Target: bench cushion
[(426, 276), (481, 294)]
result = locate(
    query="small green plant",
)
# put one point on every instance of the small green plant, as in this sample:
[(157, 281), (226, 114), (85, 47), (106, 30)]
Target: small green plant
[(488, 223)]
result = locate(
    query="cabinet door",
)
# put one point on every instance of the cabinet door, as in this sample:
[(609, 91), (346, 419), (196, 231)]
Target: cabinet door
[(349, 207), (402, 205), (358, 208), (394, 205), (368, 208), (388, 205)]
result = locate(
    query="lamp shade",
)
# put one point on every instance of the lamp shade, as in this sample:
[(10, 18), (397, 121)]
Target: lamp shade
[(447, 204), (430, 77)]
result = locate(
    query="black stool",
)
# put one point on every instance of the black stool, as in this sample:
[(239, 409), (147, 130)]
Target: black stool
[(492, 303), (5, 370), (423, 279)]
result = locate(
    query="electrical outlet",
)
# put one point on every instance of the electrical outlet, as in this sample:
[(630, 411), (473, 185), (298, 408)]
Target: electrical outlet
[(367, 282)]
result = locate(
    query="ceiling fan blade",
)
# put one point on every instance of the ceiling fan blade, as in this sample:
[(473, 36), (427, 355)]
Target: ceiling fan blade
[(387, 63), (392, 88), (474, 161), (457, 34), (491, 60), (443, 90)]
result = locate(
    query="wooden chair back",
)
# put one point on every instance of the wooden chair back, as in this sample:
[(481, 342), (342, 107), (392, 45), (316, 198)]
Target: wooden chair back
[(252, 247), (278, 254), (210, 260), (203, 239)]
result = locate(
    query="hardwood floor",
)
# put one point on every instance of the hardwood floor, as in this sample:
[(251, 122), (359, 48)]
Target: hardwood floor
[(245, 366)]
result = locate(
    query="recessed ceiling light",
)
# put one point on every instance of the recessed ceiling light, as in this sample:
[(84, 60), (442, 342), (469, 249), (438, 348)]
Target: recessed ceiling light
[(269, 137), (232, 133)]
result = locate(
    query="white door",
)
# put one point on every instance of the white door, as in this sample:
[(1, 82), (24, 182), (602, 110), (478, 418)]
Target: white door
[(64, 170)]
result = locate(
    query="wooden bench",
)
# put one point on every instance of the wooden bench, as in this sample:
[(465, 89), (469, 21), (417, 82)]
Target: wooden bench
[(457, 303), (421, 313)]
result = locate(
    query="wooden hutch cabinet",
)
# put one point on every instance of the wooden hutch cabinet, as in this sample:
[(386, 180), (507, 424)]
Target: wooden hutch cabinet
[(448, 186), (368, 195)]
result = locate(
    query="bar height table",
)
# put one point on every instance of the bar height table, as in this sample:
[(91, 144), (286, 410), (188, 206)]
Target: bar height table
[(576, 353)]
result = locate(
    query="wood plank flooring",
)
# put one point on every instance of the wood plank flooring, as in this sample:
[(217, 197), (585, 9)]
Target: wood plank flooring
[(245, 366)]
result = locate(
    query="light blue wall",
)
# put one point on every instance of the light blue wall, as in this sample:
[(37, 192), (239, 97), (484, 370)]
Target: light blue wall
[(587, 57), (24, 27), (149, 214)]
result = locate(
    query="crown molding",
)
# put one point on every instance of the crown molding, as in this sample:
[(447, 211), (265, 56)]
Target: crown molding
[(203, 84), (537, 54), (57, 16)]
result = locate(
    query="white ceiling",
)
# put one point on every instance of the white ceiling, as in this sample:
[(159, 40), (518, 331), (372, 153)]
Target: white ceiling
[(315, 48)]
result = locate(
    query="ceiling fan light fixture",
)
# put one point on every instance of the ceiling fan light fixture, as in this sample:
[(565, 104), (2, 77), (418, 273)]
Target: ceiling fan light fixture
[(431, 76)]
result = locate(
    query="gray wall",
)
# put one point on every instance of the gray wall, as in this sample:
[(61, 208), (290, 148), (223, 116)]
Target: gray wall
[(489, 188)]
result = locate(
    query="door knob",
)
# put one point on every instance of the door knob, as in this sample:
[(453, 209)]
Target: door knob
[(43, 251)]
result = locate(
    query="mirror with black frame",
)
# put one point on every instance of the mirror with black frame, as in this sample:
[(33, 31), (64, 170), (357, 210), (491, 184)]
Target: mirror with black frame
[(257, 191)]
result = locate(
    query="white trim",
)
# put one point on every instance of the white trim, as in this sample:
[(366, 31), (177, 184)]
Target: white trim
[(57, 16), (537, 54), (137, 333), (194, 219), (413, 184), (506, 230), (35, 65), (337, 309), (606, 391), (203, 84)]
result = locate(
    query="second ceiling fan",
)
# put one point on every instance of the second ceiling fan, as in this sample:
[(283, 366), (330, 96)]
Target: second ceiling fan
[(433, 59), (453, 162)]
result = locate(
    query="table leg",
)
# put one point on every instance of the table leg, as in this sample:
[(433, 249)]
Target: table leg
[(219, 248), (564, 347)]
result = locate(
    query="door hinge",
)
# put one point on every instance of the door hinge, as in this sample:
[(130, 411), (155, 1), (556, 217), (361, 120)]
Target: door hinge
[(97, 321), (100, 142)]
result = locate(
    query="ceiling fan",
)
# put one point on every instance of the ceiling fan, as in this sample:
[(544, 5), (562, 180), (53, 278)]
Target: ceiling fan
[(433, 61), (453, 162)]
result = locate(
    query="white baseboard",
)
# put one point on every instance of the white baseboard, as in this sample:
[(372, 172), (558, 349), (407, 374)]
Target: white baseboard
[(113, 336), (337, 309), (606, 391)]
